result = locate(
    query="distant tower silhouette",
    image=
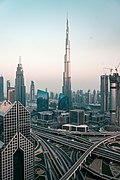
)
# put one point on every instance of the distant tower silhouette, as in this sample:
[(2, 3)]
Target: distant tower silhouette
[(8, 86), (88, 97), (66, 89), (20, 89), (94, 97)]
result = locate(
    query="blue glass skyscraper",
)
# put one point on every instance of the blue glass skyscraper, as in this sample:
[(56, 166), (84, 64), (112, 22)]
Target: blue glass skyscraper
[(42, 101), (63, 102)]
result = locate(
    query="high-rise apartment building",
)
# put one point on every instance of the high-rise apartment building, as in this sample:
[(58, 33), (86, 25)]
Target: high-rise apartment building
[(42, 100), (104, 93), (66, 89), (17, 152), (20, 89), (1, 88), (32, 92)]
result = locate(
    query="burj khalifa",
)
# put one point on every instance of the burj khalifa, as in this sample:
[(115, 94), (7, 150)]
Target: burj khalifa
[(66, 89)]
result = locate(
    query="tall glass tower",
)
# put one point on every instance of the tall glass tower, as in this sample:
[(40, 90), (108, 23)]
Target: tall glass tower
[(20, 89), (42, 100), (66, 89)]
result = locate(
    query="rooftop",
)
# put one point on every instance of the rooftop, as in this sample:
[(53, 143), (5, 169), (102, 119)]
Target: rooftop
[(82, 126), (69, 125), (72, 125), (77, 110), (4, 107), (46, 113), (64, 114)]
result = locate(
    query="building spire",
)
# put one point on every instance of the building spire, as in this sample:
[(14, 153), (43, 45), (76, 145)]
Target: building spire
[(67, 21), (67, 32)]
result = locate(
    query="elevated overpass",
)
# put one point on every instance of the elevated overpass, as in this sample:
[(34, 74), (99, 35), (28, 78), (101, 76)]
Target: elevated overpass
[(74, 168)]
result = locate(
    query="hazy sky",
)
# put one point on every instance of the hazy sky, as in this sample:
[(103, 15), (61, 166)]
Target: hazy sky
[(35, 30)]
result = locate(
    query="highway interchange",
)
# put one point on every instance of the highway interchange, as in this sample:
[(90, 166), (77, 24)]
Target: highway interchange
[(59, 165)]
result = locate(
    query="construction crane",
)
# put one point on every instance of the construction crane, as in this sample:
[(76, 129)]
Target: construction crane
[(116, 68), (109, 69)]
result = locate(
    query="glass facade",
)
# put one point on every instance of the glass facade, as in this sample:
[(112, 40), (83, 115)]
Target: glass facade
[(63, 102), (42, 101), (17, 153), (18, 165), (77, 117)]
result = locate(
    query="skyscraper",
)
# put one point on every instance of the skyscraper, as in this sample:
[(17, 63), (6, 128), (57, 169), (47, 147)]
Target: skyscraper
[(88, 98), (11, 94), (63, 102), (115, 98), (20, 89), (42, 100), (17, 152), (104, 93), (66, 89), (1, 88), (94, 97), (32, 92)]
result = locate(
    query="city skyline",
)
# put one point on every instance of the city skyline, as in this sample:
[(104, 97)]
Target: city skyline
[(36, 31)]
